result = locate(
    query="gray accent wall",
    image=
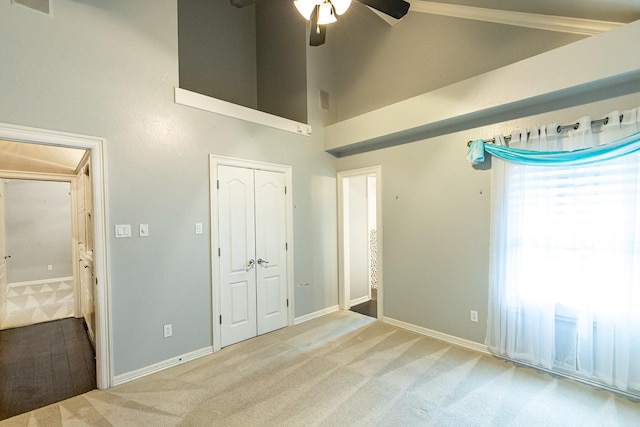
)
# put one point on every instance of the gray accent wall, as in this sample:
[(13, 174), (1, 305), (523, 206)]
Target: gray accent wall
[(253, 56), (217, 50), (109, 69), (282, 60), (38, 230)]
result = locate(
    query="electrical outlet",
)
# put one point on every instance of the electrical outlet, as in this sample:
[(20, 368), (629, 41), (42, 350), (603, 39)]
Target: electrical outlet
[(50, 267), (168, 331), (473, 316)]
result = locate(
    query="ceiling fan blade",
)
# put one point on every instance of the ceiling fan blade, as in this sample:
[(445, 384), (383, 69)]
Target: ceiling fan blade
[(394, 8), (242, 3), (318, 33)]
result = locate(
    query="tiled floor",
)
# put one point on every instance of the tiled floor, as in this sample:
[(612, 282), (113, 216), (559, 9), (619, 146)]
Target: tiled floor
[(35, 303), (369, 308), (43, 364)]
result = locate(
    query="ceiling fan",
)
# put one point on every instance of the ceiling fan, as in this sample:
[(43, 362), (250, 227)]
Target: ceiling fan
[(323, 12)]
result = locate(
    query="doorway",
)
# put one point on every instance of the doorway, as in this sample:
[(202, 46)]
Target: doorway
[(252, 251), (37, 242), (32, 139), (360, 233)]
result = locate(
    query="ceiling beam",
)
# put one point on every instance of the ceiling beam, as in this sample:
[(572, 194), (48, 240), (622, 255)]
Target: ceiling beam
[(587, 27)]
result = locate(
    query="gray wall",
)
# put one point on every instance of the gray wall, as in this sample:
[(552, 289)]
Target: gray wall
[(282, 60), (252, 56), (436, 213), (217, 46), (358, 237), (38, 230), (109, 69)]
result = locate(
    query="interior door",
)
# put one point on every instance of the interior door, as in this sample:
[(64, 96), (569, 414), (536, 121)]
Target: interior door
[(271, 251), (253, 251), (3, 256), (237, 254)]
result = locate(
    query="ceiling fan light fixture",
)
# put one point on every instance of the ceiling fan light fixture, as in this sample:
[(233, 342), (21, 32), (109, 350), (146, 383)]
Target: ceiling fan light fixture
[(305, 7), (341, 6), (326, 14)]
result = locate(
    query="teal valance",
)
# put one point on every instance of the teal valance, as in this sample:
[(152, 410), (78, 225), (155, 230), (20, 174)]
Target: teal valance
[(583, 156)]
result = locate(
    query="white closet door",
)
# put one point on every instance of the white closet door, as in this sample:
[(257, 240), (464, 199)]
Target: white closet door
[(271, 252), (3, 257), (237, 254)]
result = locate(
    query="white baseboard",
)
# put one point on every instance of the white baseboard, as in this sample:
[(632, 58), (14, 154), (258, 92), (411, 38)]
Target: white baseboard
[(40, 282), (360, 300), (461, 342), (315, 314), (174, 361)]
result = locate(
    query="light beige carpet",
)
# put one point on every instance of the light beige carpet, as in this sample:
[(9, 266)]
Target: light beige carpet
[(343, 369)]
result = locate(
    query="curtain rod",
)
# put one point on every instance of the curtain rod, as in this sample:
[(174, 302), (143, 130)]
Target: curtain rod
[(559, 129)]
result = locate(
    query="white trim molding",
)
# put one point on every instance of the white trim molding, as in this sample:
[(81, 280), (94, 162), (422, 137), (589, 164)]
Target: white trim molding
[(160, 366), (316, 314), (565, 24), (360, 300), (460, 342), (97, 146), (229, 109), (344, 291)]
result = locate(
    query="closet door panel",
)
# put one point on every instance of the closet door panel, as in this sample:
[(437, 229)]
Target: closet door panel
[(237, 254), (270, 250)]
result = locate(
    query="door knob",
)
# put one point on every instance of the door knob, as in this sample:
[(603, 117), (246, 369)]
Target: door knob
[(250, 264), (8, 256), (261, 261)]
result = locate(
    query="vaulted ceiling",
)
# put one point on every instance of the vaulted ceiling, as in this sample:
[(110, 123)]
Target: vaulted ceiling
[(57, 160)]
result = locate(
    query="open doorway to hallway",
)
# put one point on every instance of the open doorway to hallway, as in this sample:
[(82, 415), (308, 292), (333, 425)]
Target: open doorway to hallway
[(52, 343), (360, 225)]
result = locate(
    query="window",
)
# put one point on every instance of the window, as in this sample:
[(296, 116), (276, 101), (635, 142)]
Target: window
[(565, 267)]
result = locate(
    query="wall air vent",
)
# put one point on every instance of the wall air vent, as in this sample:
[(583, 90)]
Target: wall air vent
[(324, 100), (43, 6)]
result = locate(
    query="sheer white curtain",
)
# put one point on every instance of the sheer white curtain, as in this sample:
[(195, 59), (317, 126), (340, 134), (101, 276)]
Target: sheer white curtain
[(565, 257)]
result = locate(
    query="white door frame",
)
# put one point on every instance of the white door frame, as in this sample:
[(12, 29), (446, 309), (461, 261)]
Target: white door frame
[(28, 135), (214, 162), (344, 293)]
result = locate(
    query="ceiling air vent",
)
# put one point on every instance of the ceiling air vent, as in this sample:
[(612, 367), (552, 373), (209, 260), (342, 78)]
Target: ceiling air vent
[(43, 6)]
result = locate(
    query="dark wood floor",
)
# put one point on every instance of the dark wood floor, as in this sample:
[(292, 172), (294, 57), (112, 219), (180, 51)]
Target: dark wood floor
[(44, 363), (369, 308)]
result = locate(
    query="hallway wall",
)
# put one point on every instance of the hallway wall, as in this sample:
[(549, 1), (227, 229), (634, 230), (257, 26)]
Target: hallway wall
[(38, 230)]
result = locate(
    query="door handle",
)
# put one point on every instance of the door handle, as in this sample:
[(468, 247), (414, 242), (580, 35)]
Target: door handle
[(8, 256), (261, 261), (250, 264)]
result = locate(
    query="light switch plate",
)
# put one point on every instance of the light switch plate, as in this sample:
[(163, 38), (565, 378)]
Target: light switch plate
[(144, 230), (123, 230), (198, 228)]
